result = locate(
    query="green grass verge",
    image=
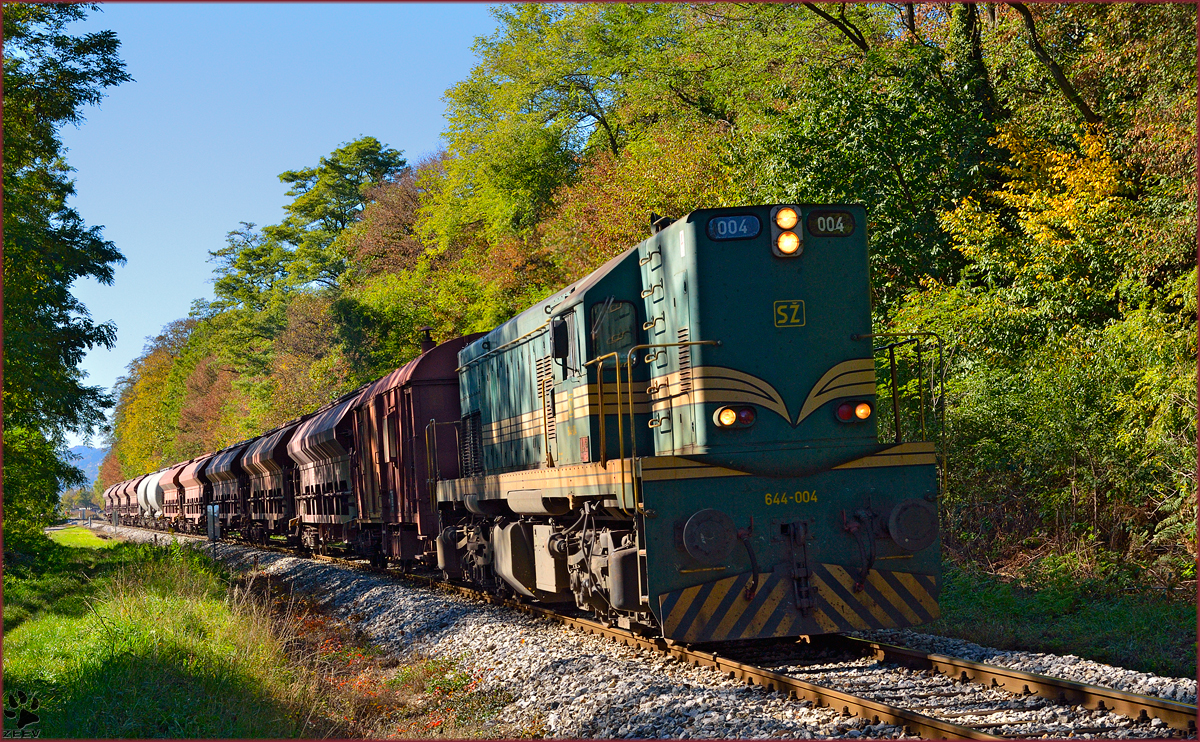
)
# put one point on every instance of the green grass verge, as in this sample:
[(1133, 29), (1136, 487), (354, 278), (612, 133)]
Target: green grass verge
[(141, 641), (80, 537), (1149, 633)]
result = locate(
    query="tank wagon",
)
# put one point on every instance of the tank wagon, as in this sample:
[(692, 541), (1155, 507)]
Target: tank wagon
[(686, 440)]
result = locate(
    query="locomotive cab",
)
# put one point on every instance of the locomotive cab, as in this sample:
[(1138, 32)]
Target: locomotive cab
[(784, 337)]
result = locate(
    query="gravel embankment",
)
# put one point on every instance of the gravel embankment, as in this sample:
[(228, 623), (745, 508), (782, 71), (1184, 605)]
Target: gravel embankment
[(570, 684)]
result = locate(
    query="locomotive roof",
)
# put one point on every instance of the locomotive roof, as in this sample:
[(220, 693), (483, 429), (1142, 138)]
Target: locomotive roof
[(579, 290), (539, 314)]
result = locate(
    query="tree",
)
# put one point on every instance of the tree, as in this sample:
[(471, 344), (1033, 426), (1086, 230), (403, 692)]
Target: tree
[(327, 199), (49, 76)]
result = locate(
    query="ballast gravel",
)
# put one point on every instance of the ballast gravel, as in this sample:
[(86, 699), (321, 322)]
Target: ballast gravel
[(574, 685), (1068, 667)]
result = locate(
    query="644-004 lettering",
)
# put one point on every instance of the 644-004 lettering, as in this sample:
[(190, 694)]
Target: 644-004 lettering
[(799, 497)]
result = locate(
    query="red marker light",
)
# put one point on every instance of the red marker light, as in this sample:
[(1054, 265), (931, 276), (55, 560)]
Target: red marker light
[(845, 412), (746, 416)]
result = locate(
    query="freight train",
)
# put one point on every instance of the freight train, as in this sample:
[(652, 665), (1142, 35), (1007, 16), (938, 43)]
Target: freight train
[(688, 441)]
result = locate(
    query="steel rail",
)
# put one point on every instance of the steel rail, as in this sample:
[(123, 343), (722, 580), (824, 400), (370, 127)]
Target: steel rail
[(1179, 716), (927, 727)]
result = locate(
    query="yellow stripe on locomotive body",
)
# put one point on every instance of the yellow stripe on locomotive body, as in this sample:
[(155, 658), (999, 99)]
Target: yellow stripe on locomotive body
[(712, 392)]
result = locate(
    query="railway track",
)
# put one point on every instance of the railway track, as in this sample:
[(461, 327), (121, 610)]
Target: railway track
[(929, 695)]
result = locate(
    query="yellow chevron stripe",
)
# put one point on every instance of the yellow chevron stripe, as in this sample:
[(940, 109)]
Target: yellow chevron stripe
[(827, 624), (906, 454), (830, 385), (924, 598), (768, 608), (892, 597), (731, 616), (841, 575), (839, 605), (714, 383), (660, 468), (670, 462), (671, 622), (728, 396), (706, 614), (723, 372)]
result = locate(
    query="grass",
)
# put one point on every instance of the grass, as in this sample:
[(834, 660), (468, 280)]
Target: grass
[(153, 644), (1146, 632), (76, 536), (449, 701), (56, 579), (126, 640)]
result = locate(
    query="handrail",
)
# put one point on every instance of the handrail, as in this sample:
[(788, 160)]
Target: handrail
[(629, 363), (546, 394), (629, 370), (433, 471), (915, 337), (620, 426)]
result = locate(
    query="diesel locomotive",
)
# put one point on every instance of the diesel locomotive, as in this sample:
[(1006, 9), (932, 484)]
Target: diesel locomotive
[(688, 440)]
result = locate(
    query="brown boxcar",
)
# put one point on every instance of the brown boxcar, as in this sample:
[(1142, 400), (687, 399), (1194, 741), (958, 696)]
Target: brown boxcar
[(110, 504), (129, 503), (173, 494), (393, 419), (321, 447)]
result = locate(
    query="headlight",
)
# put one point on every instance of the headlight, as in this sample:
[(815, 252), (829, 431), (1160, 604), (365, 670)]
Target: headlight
[(788, 243), (786, 218), (735, 417), (850, 412)]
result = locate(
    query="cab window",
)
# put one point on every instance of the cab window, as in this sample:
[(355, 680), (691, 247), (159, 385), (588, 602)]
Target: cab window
[(614, 328)]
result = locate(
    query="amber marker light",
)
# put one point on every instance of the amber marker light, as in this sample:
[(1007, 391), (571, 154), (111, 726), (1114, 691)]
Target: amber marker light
[(862, 411), (786, 218), (788, 243), (727, 417)]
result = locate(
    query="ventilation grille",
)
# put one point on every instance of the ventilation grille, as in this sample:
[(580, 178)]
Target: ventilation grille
[(685, 362), (470, 452), (545, 376)]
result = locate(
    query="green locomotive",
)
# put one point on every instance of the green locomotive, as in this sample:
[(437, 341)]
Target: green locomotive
[(688, 439)]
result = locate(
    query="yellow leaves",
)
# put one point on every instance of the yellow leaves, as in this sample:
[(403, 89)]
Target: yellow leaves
[(1060, 218), (142, 428), (1060, 194)]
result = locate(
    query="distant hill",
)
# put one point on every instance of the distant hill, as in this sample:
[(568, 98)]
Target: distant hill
[(89, 460)]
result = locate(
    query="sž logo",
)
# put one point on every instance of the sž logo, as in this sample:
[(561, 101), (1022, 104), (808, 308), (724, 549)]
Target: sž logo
[(19, 708)]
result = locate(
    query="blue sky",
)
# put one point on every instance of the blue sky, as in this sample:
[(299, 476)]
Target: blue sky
[(227, 96)]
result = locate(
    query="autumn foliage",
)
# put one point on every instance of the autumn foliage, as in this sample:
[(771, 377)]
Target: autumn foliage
[(1029, 175)]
